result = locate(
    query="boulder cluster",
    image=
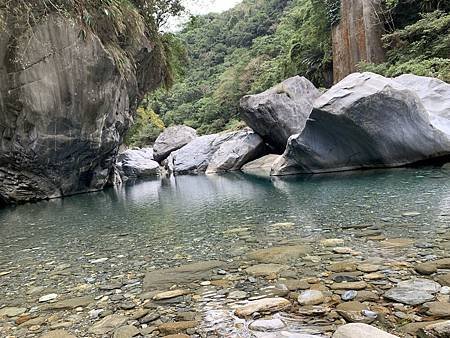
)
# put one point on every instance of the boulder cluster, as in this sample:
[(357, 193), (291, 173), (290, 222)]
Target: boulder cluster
[(365, 121)]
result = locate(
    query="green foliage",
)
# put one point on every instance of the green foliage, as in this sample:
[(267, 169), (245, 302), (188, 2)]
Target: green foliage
[(243, 51), (421, 48), (146, 128)]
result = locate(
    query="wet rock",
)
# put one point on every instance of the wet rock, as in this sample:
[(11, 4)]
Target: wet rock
[(127, 331), (346, 277), (12, 311), (369, 108), (176, 327), (279, 254), (138, 163), (108, 324), (170, 294), (437, 330), (420, 284), (368, 268), (165, 278), (172, 139), (70, 303), (342, 267), (281, 111), (444, 279), (352, 311), (238, 295), (349, 295), (260, 166), (267, 325), (409, 296), (47, 298), (263, 270), (359, 330), (349, 286), (58, 334), (438, 309), (266, 305), (311, 297)]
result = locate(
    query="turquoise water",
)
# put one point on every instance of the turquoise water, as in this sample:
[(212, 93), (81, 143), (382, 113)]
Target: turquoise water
[(167, 222)]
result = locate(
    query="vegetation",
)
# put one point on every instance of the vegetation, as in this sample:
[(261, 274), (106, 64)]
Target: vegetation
[(417, 39), (120, 24), (245, 50)]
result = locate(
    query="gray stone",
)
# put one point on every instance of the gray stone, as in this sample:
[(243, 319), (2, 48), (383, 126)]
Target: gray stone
[(409, 296), (435, 330), (267, 325), (12, 311), (435, 96), (127, 331), (356, 125), (58, 334), (163, 278), (172, 139), (261, 166), (358, 330), (281, 111), (243, 147), (138, 163), (108, 324), (311, 297), (64, 109)]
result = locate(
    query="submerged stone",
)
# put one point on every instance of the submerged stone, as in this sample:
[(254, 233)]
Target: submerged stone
[(264, 305)]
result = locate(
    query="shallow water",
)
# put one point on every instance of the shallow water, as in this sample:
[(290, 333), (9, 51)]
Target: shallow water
[(167, 222)]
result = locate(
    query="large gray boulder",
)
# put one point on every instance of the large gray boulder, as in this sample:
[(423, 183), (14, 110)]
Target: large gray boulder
[(281, 111), (365, 121), (173, 138), (64, 108), (217, 153), (232, 154), (138, 163), (435, 96)]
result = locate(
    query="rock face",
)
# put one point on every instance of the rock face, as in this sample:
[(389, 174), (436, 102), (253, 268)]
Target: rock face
[(217, 153), (281, 111), (365, 121), (435, 96), (357, 37), (138, 164), (173, 138), (64, 107)]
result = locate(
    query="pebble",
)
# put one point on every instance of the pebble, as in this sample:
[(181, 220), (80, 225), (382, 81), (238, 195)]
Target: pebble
[(269, 305), (349, 295), (47, 298), (266, 325), (311, 297)]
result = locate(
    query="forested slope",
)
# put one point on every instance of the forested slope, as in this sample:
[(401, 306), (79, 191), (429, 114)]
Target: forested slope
[(222, 57)]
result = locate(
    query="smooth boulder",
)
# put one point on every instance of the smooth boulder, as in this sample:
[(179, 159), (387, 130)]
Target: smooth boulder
[(138, 163), (172, 139), (281, 111), (243, 147), (216, 153), (435, 96), (365, 121)]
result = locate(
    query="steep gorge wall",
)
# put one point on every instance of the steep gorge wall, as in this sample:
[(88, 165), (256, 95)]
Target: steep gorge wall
[(64, 108), (357, 37)]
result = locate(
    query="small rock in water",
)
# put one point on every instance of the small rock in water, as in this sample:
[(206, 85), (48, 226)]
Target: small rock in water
[(311, 297), (170, 294), (267, 325), (358, 330), (238, 295), (263, 305), (47, 298), (100, 260), (349, 295), (411, 214)]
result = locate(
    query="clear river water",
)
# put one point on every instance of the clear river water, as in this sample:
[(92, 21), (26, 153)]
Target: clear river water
[(71, 246)]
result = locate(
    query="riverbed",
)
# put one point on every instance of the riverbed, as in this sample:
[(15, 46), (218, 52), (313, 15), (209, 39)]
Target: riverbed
[(98, 251)]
